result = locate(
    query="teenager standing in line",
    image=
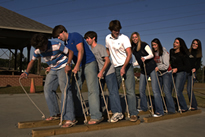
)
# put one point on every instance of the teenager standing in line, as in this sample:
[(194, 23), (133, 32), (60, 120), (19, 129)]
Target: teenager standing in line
[(180, 64), (119, 48), (195, 61), (161, 57), (106, 72), (143, 55), (85, 68)]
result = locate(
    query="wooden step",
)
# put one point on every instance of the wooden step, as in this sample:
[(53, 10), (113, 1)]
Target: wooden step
[(81, 128), (170, 116)]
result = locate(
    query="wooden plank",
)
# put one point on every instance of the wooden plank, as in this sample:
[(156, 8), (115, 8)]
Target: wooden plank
[(170, 116), (44, 123), (81, 128), (37, 123)]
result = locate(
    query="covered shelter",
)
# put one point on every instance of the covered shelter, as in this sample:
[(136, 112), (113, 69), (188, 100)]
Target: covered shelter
[(16, 31)]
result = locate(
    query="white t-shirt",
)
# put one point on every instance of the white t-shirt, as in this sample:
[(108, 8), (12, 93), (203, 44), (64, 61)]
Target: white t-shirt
[(117, 48)]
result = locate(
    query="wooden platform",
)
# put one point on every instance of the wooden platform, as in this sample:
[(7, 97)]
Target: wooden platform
[(81, 128), (170, 116), (44, 123)]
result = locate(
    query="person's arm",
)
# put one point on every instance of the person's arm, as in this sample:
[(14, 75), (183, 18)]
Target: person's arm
[(197, 64), (165, 61), (150, 54), (108, 52), (30, 65), (80, 57), (107, 62), (129, 56), (70, 57)]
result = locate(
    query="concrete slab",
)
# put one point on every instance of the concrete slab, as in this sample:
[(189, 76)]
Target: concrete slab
[(16, 108)]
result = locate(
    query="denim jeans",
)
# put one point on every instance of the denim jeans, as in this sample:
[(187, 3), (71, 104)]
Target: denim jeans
[(156, 92), (88, 72), (130, 87), (50, 95), (165, 82), (189, 87), (180, 79), (114, 98)]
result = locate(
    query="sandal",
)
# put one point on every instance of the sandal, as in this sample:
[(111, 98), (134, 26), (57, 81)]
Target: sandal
[(53, 118), (69, 123), (95, 121)]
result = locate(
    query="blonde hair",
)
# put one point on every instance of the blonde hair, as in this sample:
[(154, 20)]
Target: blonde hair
[(138, 43)]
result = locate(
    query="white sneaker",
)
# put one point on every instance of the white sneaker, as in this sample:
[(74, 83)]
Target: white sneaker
[(117, 116), (139, 110), (157, 115)]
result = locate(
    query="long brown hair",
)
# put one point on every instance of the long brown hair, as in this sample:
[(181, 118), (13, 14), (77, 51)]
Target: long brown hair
[(199, 49), (160, 48)]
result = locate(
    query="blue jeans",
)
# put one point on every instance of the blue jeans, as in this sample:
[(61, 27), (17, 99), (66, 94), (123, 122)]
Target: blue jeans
[(156, 92), (180, 79), (130, 87), (50, 95), (189, 87), (114, 98), (88, 72), (165, 82)]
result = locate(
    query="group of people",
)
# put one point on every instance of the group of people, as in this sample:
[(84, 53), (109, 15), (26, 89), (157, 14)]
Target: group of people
[(92, 64)]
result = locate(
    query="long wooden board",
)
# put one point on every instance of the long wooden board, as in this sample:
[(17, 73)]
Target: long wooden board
[(81, 128), (44, 123), (170, 116)]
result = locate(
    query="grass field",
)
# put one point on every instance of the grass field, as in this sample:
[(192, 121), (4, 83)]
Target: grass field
[(199, 90)]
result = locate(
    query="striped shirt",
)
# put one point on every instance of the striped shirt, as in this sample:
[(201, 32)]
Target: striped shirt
[(55, 55)]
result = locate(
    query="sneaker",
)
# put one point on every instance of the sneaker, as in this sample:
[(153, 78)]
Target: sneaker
[(139, 110), (157, 115), (133, 118), (117, 116)]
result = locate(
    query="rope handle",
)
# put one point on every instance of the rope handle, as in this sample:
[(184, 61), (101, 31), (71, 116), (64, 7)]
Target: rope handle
[(43, 115)]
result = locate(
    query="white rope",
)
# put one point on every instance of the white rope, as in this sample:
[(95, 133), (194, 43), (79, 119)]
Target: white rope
[(64, 99), (81, 100), (106, 107), (152, 111), (176, 95), (127, 108), (192, 84), (166, 111), (43, 116)]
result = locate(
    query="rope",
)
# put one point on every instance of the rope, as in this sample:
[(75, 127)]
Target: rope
[(123, 86), (152, 111), (192, 84), (166, 111), (81, 100), (62, 111), (104, 100), (176, 95), (43, 116)]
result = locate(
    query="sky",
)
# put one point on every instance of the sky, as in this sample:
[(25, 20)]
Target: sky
[(162, 19)]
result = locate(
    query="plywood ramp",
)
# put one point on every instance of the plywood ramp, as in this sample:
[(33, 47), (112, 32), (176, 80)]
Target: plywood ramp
[(170, 116), (81, 128)]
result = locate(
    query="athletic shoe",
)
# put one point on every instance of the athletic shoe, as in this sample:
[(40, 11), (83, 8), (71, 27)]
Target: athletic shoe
[(139, 110), (157, 115), (117, 116), (133, 118)]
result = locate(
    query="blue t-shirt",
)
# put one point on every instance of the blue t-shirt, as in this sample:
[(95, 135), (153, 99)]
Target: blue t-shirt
[(74, 39)]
